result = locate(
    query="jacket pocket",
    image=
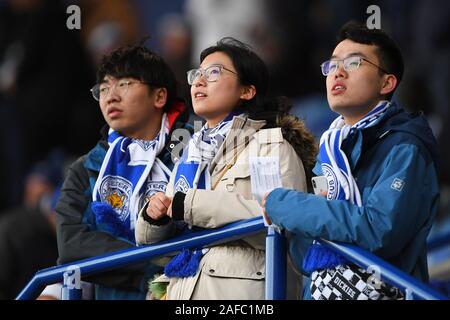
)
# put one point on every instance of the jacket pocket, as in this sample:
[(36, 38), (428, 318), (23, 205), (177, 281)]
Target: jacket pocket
[(231, 273), (235, 262), (243, 274), (237, 179)]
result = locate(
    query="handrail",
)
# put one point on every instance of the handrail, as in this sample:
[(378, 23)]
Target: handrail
[(275, 265), (199, 239), (387, 272), (136, 255)]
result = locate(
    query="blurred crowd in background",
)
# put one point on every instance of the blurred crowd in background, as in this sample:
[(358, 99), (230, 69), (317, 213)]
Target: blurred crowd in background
[(48, 116)]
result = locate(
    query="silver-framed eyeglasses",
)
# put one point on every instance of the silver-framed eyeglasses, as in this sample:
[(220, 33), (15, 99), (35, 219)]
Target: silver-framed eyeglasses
[(101, 90), (350, 64), (211, 74)]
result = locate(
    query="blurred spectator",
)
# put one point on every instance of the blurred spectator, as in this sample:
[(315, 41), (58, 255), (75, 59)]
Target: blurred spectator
[(174, 39), (44, 89), (107, 25), (307, 29), (149, 14), (248, 21), (28, 232), (431, 50), (431, 60)]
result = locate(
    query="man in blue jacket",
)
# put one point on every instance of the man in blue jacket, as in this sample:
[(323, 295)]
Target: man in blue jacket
[(380, 165)]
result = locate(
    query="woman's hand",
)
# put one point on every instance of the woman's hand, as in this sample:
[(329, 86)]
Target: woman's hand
[(159, 205)]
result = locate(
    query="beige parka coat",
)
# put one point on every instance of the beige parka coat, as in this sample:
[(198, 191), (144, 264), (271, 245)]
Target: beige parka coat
[(234, 270)]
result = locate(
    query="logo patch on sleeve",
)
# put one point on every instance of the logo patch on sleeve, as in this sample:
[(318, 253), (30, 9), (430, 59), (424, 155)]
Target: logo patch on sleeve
[(397, 184)]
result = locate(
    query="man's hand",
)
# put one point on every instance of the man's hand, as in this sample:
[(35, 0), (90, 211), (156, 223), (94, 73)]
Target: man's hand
[(159, 205), (263, 204)]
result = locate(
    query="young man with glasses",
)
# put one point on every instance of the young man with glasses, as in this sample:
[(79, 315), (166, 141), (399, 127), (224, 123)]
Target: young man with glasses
[(380, 165), (105, 189)]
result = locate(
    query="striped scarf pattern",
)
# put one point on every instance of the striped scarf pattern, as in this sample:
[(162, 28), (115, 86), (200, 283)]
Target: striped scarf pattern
[(341, 183), (130, 172)]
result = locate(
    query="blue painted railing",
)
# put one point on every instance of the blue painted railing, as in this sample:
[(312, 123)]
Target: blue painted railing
[(136, 255), (413, 288), (275, 265), (275, 261)]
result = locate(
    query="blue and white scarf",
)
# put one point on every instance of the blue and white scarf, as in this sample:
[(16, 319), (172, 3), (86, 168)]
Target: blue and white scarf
[(194, 172), (130, 173), (340, 180), (194, 168), (335, 165)]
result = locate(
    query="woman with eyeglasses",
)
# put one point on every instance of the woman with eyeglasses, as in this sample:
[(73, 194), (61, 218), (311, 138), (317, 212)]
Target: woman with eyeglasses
[(211, 185)]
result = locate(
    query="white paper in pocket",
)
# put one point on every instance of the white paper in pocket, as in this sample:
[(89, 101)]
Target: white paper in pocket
[(264, 175)]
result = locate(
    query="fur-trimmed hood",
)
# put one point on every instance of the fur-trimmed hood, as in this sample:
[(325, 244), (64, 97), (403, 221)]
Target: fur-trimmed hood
[(301, 139)]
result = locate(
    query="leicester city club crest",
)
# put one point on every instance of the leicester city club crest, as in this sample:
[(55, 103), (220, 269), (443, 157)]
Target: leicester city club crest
[(185, 177), (151, 187), (116, 191), (182, 185), (145, 144), (332, 181)]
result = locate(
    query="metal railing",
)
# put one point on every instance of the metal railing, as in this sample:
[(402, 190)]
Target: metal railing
[(412, 288), (275, 261), (127, 257)]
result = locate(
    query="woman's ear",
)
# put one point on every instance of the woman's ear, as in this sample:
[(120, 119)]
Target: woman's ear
[(248, 92), (160, 95), (389, 84)]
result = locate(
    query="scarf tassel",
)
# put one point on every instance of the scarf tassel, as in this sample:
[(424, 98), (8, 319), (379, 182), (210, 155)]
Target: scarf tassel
[(106, 218), (183, 265), (320, 257)]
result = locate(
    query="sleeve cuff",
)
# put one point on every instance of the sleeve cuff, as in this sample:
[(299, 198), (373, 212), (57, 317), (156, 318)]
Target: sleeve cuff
[(178, 206)]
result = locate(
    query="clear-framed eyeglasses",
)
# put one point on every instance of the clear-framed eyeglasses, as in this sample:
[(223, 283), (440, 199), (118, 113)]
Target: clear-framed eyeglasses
[(101, 90), (211, 74), (350, 64)]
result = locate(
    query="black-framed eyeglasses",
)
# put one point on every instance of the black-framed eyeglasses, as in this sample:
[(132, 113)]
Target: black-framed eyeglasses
[(350, 64), (101, 90), (211, 74)]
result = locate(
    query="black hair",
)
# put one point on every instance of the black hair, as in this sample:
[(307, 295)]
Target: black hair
[(251, 70), (139, 62), (388, 51)]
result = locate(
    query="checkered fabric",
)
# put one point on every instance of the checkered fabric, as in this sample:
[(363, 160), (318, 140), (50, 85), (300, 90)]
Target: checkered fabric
[(345, 282)]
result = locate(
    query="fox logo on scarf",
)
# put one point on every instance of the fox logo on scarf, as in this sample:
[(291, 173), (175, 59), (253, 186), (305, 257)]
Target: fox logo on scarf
[(130, 172), (116, 201), (116, 191)]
